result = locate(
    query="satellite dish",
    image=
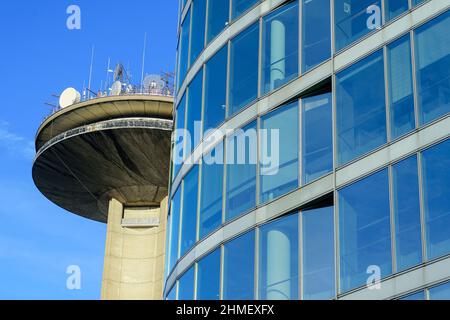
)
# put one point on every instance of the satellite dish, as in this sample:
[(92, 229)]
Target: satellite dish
[(69, 97), (119, 72), (116, 88), (153, 83)]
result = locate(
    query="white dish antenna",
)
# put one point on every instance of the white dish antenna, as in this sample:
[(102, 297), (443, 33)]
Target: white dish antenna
[(69, 97), (116, 88), (153, 83)]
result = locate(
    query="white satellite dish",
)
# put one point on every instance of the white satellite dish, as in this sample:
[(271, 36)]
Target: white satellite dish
[(116, 88), (69, 97)]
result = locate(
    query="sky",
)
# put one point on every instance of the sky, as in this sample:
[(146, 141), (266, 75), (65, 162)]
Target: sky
[(40, 56)]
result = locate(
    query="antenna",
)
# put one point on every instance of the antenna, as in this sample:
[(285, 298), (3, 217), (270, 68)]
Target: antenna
[(116, 88), (143, 58), (69, 97), (90, 72)]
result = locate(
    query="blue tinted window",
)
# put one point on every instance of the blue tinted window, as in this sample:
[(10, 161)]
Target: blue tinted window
[(172, 295), (244, 68), (218, 13), (364, 230), (361, 108), (211, 194), (215, 89), (198, 29), (415, 296), (186, 286), (239, 265), (183, 62), (441, 292), (432, 45), (401, 97), (208, 277), (241, 171), (189, 215), (175, 228), (318, 278), (317, 137), (178, 152), (240, 6), (416, 2), (279, 141), (394, 8), (407, 213), (316, 33), (280, 47), (436, 177), (194, 112), (278, 259), (354, 19)]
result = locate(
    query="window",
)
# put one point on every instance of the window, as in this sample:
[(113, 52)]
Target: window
[(416, 2), (218, 13), (241, 171), (401, 97), (240, 6), (361, 108), (186, 286), (280, 47), (279, 152), (175, 228), (317, 137), (172, 295), (215, 90), (194, 112), (178, 151), (208, 277), (394, 8), (441, 292), (415, 296), (316, 33), (278, 259), (354, 19), (198, 29), (183, 62), (433, 75), (407, 213), (436, 177), (189, 215), (244, 68), (318, 278), (211, 191), (239, 265), (364, 231)]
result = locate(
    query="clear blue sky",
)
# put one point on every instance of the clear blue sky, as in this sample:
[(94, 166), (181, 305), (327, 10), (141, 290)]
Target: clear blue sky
[(40, 56)]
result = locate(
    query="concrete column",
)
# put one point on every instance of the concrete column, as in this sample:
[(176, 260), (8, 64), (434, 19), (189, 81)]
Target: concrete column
[(277, 52), (278, 265), (134, 255)]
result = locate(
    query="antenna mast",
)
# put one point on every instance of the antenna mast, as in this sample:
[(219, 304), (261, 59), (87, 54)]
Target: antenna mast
[(143, 60), (90, 73)]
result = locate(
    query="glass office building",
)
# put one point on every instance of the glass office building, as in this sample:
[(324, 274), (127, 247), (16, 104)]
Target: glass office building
[(357, 93)]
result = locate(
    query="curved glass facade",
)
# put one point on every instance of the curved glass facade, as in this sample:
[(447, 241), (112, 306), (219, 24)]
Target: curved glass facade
[(313, 172)]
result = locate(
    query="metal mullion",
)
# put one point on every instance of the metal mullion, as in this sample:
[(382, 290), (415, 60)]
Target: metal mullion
[(300, 142), (258, 160), (336, 243), (300, 38), (422, 207), (224, 181), (227, 95), (332, 35), (222, 269), (199, 190), (191, 11), (180, 221), (260, 54), (256, 264), (205, 40), (300, 256), (202, 110), (195, 266), (392, 219), (414, 79), (387, 95)]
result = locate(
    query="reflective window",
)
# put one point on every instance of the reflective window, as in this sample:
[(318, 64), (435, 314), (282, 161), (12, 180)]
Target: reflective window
[(208, 277), (189, 215), (441, 292), (407, 213), (194, 112), (354, 19), (198, 29), (415, 296), (416, 2), (241, 171), (433, 74), (211, 194), (436, 177), (318, 278), (239, 265), (183, 62), (394, 8), (215, 90), (316, 33), (278, 259), (364, 231), (175, 228), (186, 285), (178, 151), (172, 295), (317, 137), (401, 97), (279, 152), (240, 6), (280, 47), (361, 108), (244, 68), (218, 13)]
